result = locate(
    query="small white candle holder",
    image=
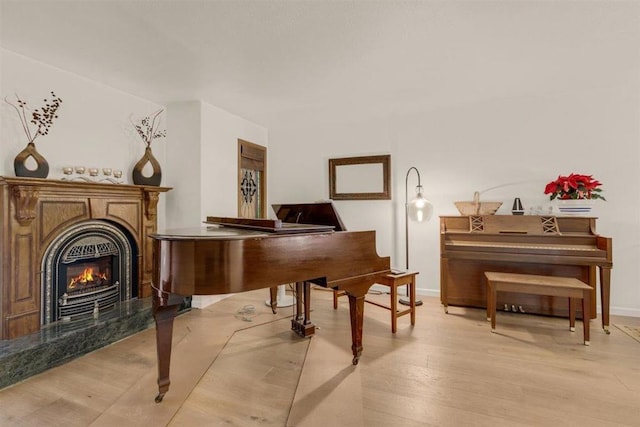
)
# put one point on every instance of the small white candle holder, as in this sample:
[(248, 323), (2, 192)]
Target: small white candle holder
[(67, 171), (117, 174)]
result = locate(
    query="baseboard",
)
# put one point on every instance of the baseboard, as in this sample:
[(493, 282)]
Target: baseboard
[(203, 301)]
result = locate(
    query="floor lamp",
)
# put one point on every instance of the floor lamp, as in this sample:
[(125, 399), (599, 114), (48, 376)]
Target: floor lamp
[(418, 209)]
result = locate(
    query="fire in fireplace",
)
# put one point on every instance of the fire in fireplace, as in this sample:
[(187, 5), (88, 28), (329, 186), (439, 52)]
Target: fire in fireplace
[(88, 269), (88, 278)]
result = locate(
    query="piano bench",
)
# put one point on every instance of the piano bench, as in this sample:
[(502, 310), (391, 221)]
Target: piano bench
[(393, 281), (568, 287)]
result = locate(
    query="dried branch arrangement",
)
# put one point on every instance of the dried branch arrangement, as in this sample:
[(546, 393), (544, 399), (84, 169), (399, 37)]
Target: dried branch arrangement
[(148, 128), (42, 118)]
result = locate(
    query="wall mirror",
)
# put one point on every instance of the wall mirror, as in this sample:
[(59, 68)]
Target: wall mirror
[(360, 178)]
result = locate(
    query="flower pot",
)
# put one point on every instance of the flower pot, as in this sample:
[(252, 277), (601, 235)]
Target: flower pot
[(575, 207), (155, 178), (20, 163)]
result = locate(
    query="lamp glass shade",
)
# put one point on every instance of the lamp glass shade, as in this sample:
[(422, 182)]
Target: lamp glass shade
[(419, 209)]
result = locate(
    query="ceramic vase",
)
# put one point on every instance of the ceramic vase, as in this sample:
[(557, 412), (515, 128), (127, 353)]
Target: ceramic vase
[(155, 178), (20, 163)]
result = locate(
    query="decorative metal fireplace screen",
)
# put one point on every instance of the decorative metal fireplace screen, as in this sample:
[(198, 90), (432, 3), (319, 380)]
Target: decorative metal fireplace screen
[(87, 269)]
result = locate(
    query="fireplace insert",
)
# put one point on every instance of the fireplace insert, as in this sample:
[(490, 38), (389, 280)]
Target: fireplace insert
[(88, 269)]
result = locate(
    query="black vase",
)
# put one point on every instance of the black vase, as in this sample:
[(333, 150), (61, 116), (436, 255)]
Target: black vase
[(156, 176), (20, 163)]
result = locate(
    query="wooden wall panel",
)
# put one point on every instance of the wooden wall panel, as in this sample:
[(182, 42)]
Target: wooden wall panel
[(56, 215), (126, 213), (23, 255), (23, 324), (147, 264)]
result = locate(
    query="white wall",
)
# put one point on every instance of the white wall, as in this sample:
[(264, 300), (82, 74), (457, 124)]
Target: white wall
[(92, 130), (299, 171), (203, 165), (184, 127), (220, 133), (576, 108)]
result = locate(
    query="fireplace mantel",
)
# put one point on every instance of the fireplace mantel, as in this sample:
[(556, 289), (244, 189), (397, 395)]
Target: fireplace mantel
[(33, 211)]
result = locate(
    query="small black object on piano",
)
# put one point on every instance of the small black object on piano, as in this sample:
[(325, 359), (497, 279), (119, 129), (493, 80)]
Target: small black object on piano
[(517, 208)]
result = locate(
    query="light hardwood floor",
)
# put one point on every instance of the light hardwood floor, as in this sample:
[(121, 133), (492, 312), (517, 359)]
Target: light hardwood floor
[(448, 370)]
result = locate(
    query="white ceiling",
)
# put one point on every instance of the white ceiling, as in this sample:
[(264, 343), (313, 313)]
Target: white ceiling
[(270, 61)]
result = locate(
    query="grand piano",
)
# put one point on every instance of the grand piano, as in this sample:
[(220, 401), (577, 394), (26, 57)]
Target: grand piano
[(236, 255), (527, 244)]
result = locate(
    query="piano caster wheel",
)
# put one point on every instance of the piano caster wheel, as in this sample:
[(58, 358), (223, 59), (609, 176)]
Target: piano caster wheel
[(159, 397), (606, 330), (355, 360), (446, 309)]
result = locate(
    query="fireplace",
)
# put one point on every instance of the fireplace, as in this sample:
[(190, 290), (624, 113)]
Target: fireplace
[(52, 231), (87, 269)]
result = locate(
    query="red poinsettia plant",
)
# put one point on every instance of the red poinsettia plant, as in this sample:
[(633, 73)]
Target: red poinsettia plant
[(574, 186)]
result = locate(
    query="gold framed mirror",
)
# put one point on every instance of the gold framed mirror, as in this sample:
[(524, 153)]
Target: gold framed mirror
[(360, 178)]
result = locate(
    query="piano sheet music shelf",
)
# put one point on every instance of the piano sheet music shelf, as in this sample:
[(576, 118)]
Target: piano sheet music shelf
[(528, 244)]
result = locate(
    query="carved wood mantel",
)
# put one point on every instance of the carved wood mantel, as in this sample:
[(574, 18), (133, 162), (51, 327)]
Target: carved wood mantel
[(34, 211)]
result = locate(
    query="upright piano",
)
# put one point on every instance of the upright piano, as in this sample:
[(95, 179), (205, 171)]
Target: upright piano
[(527, 244), (246, 255)]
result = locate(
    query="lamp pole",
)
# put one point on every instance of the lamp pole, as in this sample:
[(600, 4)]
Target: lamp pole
[(406, 212), (421, 203)]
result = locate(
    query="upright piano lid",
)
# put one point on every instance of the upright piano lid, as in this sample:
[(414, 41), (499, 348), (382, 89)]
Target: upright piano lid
[(318, 213)]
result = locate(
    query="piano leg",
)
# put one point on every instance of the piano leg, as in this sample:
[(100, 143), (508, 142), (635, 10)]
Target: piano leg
[(444, 297), (356, 311), (307, 303), (299, 301), (605, 287), (273, 298), (586, 315), (164, 316), (301, 323)]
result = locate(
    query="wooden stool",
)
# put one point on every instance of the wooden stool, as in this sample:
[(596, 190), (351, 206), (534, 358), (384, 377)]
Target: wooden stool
[(393, 281), (569, 287)]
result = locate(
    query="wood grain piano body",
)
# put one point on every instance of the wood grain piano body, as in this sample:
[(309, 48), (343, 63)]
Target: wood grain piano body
[(219, 260), (514, 244), (246, 261)]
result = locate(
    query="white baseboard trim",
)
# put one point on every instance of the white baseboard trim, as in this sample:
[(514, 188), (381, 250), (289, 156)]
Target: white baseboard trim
[(623, 311), (202, 301)]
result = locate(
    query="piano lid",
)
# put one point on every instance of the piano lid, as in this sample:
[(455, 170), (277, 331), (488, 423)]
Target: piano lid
[(318, 213)]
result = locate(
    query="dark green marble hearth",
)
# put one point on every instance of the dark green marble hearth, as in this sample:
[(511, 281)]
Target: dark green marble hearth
[(60, 342)]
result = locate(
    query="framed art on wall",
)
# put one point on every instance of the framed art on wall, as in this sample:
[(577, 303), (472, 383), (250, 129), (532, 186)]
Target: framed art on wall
[(360, 178)]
